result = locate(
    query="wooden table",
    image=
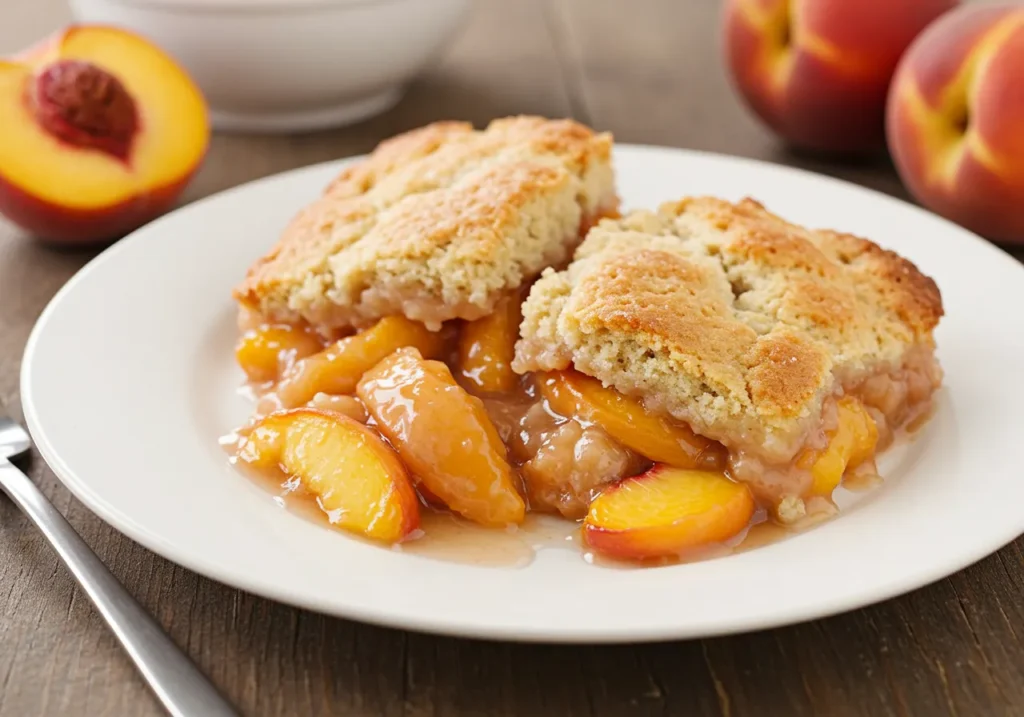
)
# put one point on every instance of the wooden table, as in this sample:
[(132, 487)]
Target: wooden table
[(648, 70)]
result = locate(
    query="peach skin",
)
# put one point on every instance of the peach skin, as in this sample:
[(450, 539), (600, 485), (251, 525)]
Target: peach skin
[(955, 119), (817, 71), (101, 132)]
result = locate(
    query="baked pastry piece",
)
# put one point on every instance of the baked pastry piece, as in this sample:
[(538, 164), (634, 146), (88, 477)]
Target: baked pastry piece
[(739, 323), (437, 224), (692, 372)]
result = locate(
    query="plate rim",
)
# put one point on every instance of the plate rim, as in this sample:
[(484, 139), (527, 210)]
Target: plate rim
[(786, 615)]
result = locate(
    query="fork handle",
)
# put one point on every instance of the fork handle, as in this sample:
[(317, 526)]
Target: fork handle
[(177, 682)]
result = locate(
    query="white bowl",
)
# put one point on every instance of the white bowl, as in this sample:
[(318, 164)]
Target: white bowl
[(290, 65)]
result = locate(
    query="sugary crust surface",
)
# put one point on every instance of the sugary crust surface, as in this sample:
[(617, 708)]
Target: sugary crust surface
[(729, 317), (436, 223)]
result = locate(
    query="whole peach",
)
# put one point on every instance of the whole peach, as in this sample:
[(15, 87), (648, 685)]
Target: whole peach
[(955, 119), (817, 71)]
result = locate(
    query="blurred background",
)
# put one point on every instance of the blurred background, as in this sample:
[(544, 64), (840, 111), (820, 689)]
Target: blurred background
[(650, 71), (917, 98), (813, 84)]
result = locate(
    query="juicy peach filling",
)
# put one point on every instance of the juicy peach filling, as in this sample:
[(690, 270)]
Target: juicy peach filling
[(444, 435), (470, 436)]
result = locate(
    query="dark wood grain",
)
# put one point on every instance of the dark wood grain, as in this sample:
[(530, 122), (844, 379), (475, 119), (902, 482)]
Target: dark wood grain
[(953, 648)]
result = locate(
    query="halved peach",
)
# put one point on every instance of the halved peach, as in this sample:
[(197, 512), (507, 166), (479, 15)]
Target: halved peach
[(667, 512), (338, 368), (357, 478), (850, 444), (658, 438), (444, 435), (265, 352), (488, 345), (101, 132)]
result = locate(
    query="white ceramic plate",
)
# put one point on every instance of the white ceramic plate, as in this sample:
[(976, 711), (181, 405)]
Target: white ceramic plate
[(129, 379)]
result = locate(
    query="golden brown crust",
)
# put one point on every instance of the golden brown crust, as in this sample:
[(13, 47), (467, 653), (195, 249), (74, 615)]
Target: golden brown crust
[(784, 373), (436, 223), (392, 154), (727, 316), (913, 296)]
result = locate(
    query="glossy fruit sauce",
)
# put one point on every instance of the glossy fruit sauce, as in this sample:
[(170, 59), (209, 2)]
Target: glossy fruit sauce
[(505, 466)]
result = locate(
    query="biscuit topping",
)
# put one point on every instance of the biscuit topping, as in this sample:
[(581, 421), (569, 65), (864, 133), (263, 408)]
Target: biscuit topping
[(437, 224), (728, 317)]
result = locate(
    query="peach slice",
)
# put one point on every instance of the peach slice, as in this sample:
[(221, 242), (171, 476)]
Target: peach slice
[(487, 347), (338, 368), (265, 352), (667, 512), (444, 435), (660, 439), (357, 479), (101, 132), (850, 444)]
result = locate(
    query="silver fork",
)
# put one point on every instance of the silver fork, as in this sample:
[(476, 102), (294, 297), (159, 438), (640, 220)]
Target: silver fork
[(177, 682)]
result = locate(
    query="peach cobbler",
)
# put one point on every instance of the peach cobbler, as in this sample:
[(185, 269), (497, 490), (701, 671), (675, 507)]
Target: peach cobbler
[(463, 322)]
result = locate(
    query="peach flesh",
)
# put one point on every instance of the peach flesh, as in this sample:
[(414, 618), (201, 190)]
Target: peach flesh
[(667, 512), (444, 436), (358, 480)]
